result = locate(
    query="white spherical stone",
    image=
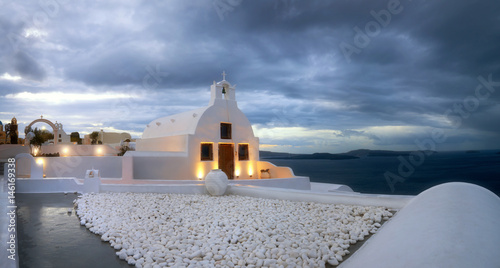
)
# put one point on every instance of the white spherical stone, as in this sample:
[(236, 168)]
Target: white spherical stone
[(216, 182)]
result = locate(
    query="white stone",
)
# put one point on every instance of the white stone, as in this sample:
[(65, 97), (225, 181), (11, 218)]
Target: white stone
[(197, 253), (333, 262), (184, 230), (216, 182)]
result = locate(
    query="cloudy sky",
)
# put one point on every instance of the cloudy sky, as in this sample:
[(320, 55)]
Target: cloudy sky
[(312, 76)]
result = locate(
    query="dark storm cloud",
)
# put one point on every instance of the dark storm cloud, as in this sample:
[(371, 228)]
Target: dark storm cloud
[(285, 55), (28, 67), (462, 36)]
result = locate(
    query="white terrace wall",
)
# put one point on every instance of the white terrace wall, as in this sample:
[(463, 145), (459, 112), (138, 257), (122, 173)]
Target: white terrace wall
[(150, 166), (23, 167), (26, 167), (275, 171), (76, 166), (450, 225), (161, 166), (79, 150), (113, 137), (11, 150)]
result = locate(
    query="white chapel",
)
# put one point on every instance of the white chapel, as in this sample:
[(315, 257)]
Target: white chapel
[(188, 145)]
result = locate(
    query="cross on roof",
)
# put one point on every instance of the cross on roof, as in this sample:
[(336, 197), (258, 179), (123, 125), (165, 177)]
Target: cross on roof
[(223, 75)]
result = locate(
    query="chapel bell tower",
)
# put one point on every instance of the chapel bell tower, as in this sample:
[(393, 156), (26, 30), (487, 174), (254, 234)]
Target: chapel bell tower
[(222, 90)]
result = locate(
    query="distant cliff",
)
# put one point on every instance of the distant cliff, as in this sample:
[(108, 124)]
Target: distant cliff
[(355, 154), (275, 155)]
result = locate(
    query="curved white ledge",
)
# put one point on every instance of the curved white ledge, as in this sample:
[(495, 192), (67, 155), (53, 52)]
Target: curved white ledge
[(449, 225)]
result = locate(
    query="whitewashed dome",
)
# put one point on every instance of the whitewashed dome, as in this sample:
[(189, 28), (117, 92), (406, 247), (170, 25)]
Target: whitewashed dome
[(178, 124), (222, 108)]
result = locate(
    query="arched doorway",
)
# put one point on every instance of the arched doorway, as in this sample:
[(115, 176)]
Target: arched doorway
[(41, 120)]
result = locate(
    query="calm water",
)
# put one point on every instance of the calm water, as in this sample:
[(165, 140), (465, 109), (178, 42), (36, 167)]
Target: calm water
[(367, 174), (49, 237)]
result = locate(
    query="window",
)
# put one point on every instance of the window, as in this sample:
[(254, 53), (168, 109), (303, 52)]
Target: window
[(207, 152), (243, 152), (225, 130), (59, 135)]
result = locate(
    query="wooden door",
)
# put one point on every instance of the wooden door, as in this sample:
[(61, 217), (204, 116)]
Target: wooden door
[(226, 159)]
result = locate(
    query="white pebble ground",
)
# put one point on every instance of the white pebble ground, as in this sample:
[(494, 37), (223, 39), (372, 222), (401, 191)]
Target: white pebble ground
[(165, 230)]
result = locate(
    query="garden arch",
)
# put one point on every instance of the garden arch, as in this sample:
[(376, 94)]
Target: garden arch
[(54, 127)]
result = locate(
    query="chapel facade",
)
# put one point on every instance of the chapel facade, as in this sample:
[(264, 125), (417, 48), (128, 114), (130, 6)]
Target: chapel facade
[(188, 145)]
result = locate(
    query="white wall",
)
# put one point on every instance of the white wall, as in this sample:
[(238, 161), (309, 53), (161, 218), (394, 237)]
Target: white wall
[(297, 183), (11, 150), (275, 171), (79, 150), (162, 168), (23, 167), (65, 138), (48, 186), (152, 188), (76, 166), (328, 187), (347, 198), (26, 167), (167, 144), (113, 137)]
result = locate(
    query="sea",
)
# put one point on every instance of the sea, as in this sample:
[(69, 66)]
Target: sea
[(403, 174)]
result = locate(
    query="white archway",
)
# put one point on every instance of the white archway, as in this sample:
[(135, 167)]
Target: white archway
[(41, 120)]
